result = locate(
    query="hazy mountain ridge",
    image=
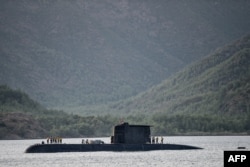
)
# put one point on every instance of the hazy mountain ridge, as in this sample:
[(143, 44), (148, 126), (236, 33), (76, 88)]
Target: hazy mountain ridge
[(90, 52)]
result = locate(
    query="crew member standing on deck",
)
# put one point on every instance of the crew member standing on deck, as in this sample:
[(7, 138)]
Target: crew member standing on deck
[(162, 140), (156, 140)]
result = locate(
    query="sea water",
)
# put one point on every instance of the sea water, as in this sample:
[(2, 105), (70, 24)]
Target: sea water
[(12, 154)]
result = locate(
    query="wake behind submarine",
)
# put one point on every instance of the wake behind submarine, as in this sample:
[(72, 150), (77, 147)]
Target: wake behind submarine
[(125, 138)]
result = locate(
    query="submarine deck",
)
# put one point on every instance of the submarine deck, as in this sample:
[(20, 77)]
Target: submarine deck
[(53, 148)]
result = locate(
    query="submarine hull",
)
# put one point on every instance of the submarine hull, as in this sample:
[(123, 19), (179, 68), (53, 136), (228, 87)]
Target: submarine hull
[(53, 148)]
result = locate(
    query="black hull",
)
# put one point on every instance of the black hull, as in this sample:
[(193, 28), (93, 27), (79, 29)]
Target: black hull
[(52, 148)]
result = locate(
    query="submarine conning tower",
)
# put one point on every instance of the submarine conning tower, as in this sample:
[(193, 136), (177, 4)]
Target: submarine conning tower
[(131, 134)]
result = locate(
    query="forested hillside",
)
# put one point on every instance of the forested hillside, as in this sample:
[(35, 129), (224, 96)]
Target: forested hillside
[(217, 84), (209, 97), (213, 93), (23, 118), (77, 53)]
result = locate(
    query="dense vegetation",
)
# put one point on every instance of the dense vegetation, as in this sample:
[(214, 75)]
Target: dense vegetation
[(77, 53), (209, 124), (21, 117)]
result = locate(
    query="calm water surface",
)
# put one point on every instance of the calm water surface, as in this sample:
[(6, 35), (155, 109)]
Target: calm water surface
[(12, 154)]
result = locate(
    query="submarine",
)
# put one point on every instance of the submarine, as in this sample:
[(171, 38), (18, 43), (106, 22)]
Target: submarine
[(125, 137)]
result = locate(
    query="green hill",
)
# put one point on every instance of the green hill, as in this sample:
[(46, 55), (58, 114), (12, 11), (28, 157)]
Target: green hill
[(217, 84), (23, 118), (210, 94), (16, 120), (69, 54), (220, 81)]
